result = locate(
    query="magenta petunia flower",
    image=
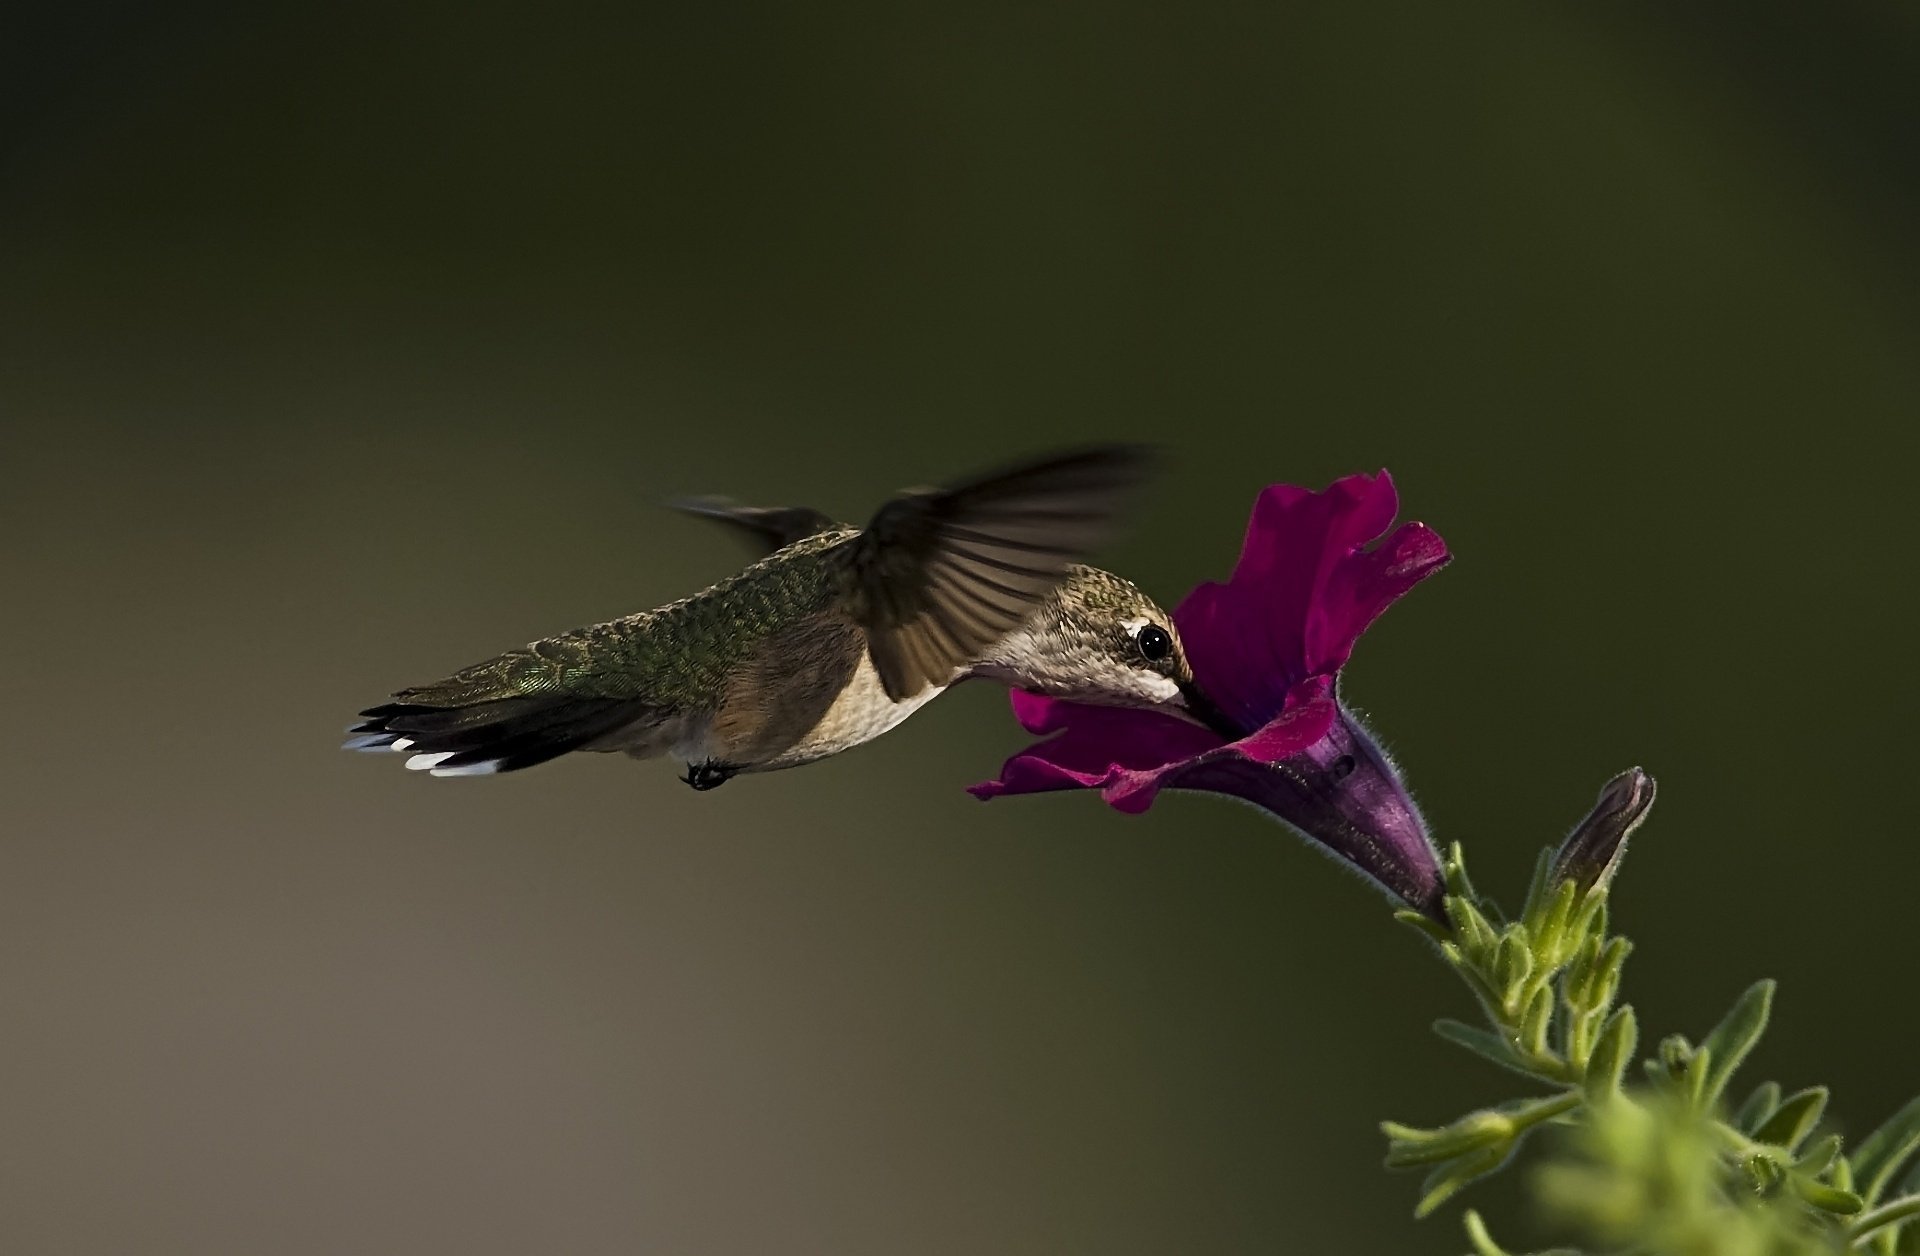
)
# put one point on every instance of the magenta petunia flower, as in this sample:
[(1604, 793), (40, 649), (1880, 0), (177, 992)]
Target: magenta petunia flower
[(1267, 648)]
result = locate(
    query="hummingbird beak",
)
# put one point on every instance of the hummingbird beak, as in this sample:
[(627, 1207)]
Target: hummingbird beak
[(1201, 709)]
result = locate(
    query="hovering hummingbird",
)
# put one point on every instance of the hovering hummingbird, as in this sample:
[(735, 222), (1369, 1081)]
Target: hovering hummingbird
[(833, 638)]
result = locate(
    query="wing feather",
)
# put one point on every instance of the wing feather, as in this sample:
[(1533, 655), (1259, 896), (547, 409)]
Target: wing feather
[(941, 574)]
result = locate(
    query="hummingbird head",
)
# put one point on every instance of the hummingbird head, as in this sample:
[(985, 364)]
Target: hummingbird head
[(1098, 638)]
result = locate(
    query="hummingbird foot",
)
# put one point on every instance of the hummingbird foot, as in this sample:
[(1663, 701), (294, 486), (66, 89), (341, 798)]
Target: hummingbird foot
[(709, 775)]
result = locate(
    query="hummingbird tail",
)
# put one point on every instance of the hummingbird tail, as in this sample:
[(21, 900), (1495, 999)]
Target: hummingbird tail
[(496, 735)]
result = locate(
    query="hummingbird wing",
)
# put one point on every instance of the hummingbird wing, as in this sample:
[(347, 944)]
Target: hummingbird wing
[(767, 528), (941, 574)]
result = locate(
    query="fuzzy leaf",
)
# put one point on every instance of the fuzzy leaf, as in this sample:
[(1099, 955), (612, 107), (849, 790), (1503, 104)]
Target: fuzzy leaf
[(1612, 960), (1512, 965), (1816, 1158), (1537, 1020), (1410, 1145), (1732, 1039), (1590, 918), (1618, 1038), (1540, 891), (1794, 1119), (1424, 923), (1449, 1179), (1550, 934), (1454, 869), (1483, 1244), (1483, 1043), (1760, 1105), (1881, 1153), (1827, 1198), (1891, 1213), (1583, 973)]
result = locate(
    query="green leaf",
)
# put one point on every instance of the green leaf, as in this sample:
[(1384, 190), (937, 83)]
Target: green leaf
[(1794, 1119), (1881, 1153), (1471, 930), (1424, 923), (1618, 1039), (1612, 960), (1410, 1145), (1583, 972), (1540, 891), (1550, 934), (1512, 965), (1697, 1070), (1891, 1213), (1537, 1020), (1483, 1043), (1759, 1106), (1483, 1244), (1816, 1158), (1454, 869), (1449, 1179), (1827, 1198), (1590, 918), (1732, 1039)]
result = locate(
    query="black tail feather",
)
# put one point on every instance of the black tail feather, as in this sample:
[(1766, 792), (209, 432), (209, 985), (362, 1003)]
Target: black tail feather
[(501, 735)]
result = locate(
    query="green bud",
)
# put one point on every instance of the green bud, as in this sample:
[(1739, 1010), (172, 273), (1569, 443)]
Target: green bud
[(1766, 1174)]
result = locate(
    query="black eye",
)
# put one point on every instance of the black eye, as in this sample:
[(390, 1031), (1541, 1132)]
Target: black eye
[(1155, 642)]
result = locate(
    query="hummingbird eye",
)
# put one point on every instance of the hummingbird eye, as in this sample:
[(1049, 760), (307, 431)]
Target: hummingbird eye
[(1155, 643)]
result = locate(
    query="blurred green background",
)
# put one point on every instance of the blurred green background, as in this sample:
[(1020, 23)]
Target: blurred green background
[(340, 345)]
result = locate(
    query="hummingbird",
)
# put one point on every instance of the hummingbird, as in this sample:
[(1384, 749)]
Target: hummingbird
[(833, 637)]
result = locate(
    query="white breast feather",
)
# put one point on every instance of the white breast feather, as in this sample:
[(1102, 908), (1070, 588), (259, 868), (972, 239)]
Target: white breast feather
[(861, 712)]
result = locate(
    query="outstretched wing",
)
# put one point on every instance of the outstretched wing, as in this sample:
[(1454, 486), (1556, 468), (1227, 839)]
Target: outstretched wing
[(940, 574), (766, 528)]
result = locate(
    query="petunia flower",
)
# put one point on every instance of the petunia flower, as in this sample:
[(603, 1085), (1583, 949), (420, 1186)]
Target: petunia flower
[(1266, 649)]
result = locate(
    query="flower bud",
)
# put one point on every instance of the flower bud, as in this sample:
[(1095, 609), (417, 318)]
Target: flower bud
[(1592, 852)]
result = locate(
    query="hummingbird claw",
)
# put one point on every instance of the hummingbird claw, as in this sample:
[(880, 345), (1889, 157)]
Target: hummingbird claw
[(709, 775)]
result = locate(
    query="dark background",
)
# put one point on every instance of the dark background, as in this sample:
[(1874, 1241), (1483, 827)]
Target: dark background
[(343, 345)]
